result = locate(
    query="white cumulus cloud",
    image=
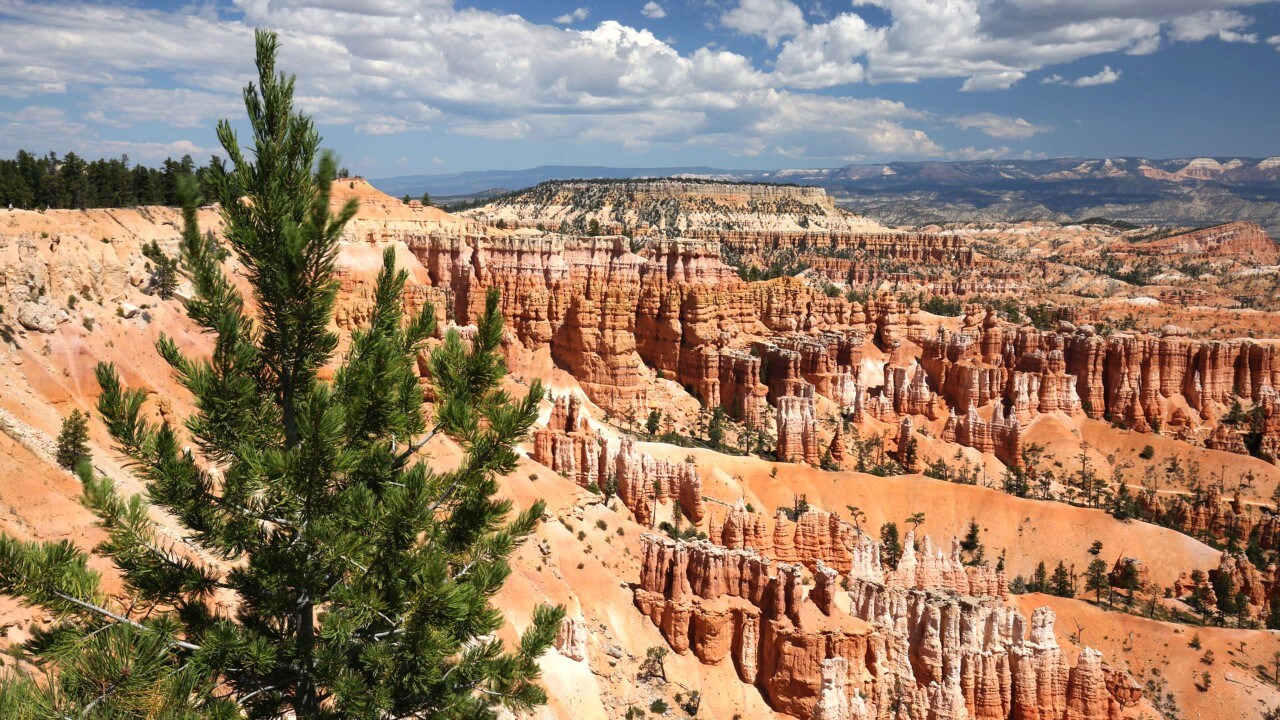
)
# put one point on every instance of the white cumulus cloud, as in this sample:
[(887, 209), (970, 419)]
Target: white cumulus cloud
[(1225, 25), (772, 20), (653, 11), (577, 15), (1105, 76)]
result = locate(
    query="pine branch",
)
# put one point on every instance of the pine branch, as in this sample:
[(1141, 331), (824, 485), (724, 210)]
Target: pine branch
[(118, 618)]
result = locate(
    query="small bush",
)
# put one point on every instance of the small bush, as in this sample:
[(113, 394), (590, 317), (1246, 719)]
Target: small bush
[(88, 323), (1147, 453), (658, 707), (582, 535), (602, 525)]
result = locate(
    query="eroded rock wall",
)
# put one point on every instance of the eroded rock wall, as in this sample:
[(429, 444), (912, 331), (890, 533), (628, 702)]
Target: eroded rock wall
[(929, 651)]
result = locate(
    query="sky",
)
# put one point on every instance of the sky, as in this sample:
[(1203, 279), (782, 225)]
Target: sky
[(402, 87)]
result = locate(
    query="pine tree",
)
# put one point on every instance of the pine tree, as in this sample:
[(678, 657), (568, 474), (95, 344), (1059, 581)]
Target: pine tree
[(73, 440), (892, 544), (1040, 580), (654, 422), (972, 544), (360, 579), (1062, 582), (164, 270), (1096, 577)]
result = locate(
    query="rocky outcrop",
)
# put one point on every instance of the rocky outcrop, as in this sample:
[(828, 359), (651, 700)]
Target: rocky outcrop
[(571, 639), (1001, 435), (929, 569), (1140, 381), (571, 448), (798, 428), (1245, 240), (931, 652), (644, 480), (1257, 588)]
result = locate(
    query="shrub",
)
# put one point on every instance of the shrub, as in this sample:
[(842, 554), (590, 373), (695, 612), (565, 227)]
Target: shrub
[(1147, 453), (658, 707)]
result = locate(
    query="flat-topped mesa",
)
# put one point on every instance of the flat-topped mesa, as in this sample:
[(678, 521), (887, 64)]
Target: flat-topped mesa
[(571, 448), (934, 654), (659, 207), (858, 251)]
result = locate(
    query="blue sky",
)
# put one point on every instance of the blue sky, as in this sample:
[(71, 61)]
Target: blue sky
[(433, 86)]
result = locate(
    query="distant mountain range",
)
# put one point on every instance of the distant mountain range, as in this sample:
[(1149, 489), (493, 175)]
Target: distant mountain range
[(1179, 191)]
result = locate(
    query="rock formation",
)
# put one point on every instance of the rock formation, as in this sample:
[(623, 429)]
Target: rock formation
[(931, 651), (568, 446), (798, 428)]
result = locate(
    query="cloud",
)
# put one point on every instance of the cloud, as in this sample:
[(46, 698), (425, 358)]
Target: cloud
[(990, 44), (384, 68), (772, 20), (387, 67), (1002, 80), (577, 15), (1105, 76), (653, 11), (1225, 25), (1000, 126), (39, 127)]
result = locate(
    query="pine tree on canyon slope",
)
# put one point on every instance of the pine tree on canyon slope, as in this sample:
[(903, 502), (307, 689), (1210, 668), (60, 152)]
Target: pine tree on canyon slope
[(338, 575)]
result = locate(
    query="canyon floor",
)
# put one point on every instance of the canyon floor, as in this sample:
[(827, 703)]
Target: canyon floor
[(746, 385)]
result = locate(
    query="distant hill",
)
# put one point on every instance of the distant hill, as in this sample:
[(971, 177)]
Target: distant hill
[(482, 181), (1178, 191)]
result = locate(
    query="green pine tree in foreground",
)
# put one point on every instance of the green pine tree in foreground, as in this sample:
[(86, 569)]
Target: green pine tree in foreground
[(338, 576)]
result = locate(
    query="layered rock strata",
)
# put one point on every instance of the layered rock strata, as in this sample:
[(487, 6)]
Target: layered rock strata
[(571, 448), (798, 428), (615, 319), (931, 653)]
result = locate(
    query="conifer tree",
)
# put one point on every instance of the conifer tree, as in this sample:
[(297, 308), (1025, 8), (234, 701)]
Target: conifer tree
[(972, 545), (73, 440), (337, 574), (1040, 579), (1062, 583), (1096, 577)]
